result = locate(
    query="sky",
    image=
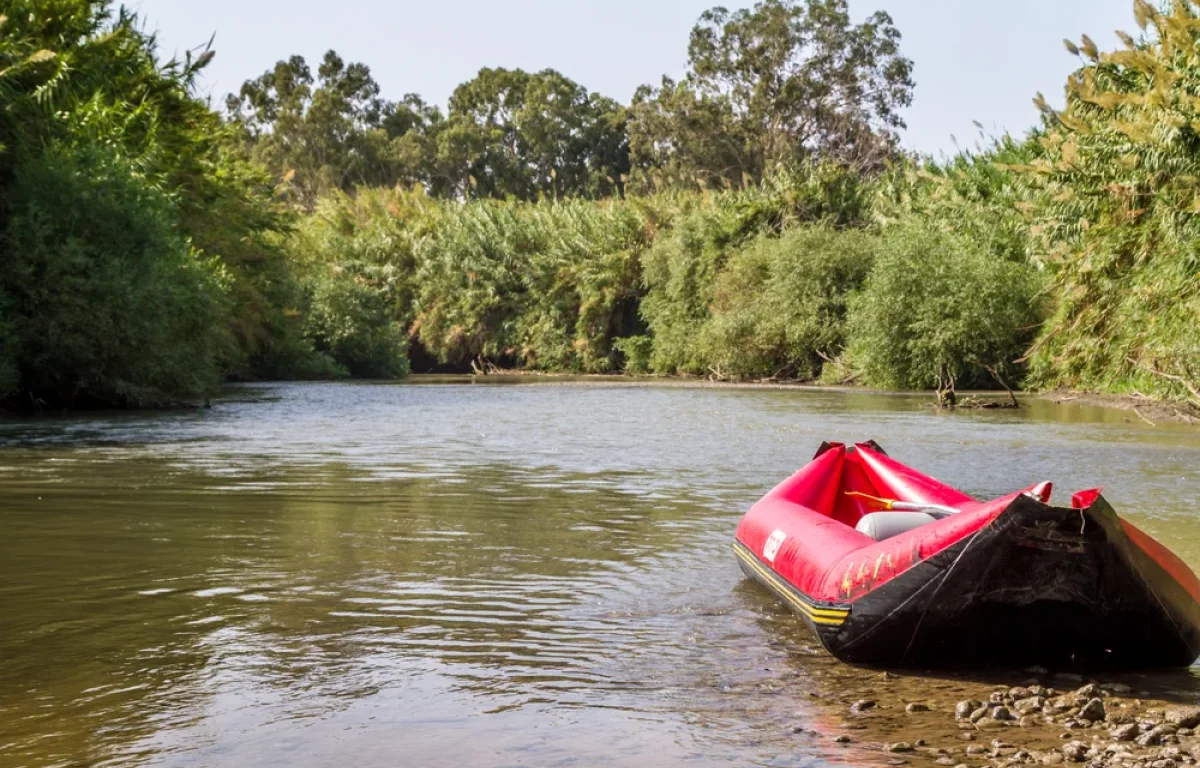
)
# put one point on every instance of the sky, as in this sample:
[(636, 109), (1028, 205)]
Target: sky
[(974, 60)]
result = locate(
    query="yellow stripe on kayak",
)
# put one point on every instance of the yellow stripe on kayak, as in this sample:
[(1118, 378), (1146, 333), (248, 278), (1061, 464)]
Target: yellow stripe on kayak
[(825, 616)]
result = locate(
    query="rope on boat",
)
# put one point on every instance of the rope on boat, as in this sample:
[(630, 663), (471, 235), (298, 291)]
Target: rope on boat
[(904, 506)]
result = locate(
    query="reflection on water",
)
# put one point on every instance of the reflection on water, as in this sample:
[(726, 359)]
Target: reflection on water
[(454, 574)]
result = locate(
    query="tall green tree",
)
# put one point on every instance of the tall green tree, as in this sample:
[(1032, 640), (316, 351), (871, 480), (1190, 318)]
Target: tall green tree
[(788, 80), (332, 130), (511, 133)]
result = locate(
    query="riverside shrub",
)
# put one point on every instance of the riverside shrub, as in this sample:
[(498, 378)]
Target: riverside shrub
[(939, 309), (106, 301), (779, 306)]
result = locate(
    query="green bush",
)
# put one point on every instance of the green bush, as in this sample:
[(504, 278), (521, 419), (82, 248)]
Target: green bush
[(940, 309), (636, 351), (107, 302), (780, 305), (352, 321)]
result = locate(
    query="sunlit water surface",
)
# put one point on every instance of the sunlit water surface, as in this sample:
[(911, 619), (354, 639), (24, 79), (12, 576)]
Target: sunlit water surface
[(437, 574)]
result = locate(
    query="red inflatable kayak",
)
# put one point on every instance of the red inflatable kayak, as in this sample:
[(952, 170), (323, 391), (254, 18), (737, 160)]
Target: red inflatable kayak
[(892, 567)]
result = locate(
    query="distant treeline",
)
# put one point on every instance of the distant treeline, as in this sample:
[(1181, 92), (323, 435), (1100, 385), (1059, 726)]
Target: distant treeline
[(753, 220)]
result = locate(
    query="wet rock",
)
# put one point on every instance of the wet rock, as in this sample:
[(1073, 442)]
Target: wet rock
[(1054, 758), (916, 707), (988, 724), (1018, 693), (1037, 670), (1093, 711), (979, 713), (1119, 689), (843, 739), (899, 746), (1029, 704), (1164, 763), (897, 761), (945, 760), (1075, 751), (1183, 717), (963, 709), (1089, 691), (1002, 713), (1156, 735), (976, 749), (1185, 732), (1127, 732), (997, 697), (860, 706), (1029, 721)]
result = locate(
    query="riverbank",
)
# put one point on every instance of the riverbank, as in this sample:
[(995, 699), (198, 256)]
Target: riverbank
[(1141, 408), (1033, 718)]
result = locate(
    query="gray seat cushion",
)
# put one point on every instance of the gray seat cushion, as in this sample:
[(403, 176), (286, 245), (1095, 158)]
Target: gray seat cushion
[(885, 525)]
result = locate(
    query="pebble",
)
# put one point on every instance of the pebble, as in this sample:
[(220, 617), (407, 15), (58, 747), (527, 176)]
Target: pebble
[(899, 746), (916, 707)]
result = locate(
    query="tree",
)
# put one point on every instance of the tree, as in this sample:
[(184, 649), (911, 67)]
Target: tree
[(512, 133), (332, 131), (789, 80)]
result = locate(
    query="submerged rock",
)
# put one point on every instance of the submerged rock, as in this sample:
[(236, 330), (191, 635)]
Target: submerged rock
[(862, 705), (916, 707), (899, 746)]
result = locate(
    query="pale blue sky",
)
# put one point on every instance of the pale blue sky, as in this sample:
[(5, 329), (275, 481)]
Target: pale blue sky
[(974, 59)]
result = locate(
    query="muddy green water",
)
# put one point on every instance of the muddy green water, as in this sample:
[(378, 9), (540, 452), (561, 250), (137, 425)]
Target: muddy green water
[(450, 574)]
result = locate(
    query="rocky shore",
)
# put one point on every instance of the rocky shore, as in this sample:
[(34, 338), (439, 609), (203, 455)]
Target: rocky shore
[(1096, 724)]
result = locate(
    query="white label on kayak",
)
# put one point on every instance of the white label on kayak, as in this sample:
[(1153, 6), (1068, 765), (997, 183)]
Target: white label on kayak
[(774, 542)]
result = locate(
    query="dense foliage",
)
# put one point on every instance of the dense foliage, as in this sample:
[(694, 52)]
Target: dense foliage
[(1117, 218), (753, 220)]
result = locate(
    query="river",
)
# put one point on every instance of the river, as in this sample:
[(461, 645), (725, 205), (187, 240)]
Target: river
[(445, 573)]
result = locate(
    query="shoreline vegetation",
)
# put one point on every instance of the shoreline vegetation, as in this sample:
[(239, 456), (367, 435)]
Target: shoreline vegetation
[(755, 220)]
